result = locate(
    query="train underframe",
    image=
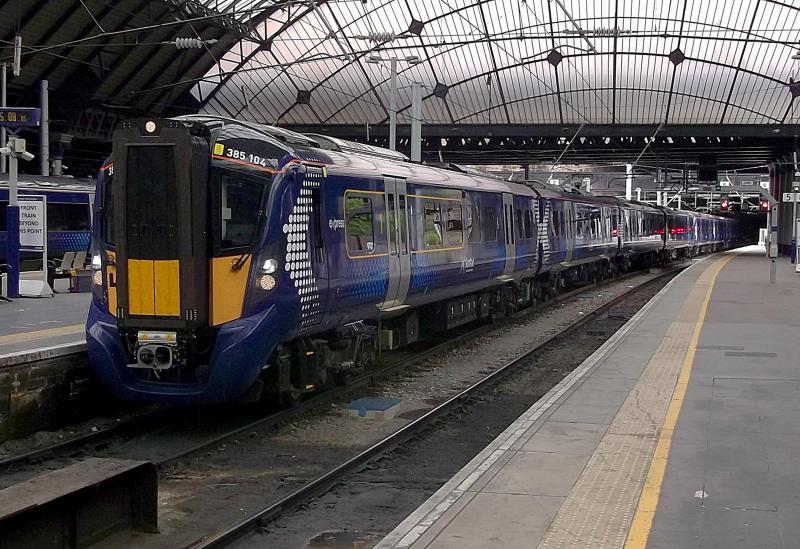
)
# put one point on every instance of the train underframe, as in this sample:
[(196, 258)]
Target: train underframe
[(304, 365)]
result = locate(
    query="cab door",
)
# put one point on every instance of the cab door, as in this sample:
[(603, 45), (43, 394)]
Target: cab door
[(397, 239), (508, 233), (569, 229)]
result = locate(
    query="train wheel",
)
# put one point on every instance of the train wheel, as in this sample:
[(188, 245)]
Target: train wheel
[(339, 378), (292, 398)]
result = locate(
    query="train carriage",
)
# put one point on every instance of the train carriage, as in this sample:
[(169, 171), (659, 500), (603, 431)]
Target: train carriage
[(69, 211), (237, 260)]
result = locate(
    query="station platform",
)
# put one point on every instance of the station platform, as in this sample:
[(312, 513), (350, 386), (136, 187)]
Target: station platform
[(682, 430), (28, 324)]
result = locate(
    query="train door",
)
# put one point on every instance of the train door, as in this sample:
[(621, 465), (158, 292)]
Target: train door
[(397, 240), (569, 229), (312, 311), (508, 233)]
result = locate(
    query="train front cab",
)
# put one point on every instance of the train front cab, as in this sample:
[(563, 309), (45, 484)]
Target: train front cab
[(175, 240)]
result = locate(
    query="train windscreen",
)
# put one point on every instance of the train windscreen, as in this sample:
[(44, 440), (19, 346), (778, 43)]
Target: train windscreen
[(238, 196)]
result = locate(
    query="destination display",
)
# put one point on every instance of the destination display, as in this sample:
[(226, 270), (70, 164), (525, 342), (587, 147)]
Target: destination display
[(19, 117)]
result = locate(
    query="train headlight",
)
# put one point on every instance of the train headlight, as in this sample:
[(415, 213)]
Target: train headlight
[(97, 278), (97, 262), (269, 266), (266, 282)]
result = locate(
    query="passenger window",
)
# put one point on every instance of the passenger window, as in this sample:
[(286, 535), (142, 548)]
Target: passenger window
[(473, 224), (358, 225), (3, 205), (528, 224), (432, 224), (520, 227), (490, 224), (455, 228), (390, 216), (403, 225)]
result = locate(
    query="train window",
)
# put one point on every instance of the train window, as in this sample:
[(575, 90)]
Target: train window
[(316, 201), (3, 205), (528, 224), (403, 224), (455, 226), (473, 223), (240, 197), (520, 226), (489, 224), (432, 224), (392, 220), (107, 212), (67, 217), (358, 224)]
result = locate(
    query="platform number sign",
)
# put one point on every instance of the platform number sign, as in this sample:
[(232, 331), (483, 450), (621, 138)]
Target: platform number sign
[(791, 197)]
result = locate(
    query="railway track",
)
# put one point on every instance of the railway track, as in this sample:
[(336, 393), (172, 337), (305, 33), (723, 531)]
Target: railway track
[(319, 485), (100, 440)]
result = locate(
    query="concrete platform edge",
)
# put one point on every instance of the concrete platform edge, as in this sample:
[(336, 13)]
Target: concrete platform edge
[(43, 353)]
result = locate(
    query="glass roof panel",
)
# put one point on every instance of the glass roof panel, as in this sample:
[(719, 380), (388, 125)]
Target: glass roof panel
[(520, 61)]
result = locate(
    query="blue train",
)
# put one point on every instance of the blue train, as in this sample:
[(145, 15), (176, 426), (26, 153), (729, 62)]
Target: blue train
[(235, 260), (69, 210)]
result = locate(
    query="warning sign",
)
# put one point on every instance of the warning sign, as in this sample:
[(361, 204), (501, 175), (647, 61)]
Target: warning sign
[(31, 224)]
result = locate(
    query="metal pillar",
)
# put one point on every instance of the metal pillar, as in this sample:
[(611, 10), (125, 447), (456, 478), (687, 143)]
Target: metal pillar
[(773, 242), (12, 229), (416, 122), (44, 132), (393, 107), (629, 181), (3, 165)]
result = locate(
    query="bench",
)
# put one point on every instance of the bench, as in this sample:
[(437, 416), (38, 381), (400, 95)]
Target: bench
[(79, 504)]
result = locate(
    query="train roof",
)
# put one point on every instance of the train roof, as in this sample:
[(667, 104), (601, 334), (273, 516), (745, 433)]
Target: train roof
[(359, 159), (52, 183)]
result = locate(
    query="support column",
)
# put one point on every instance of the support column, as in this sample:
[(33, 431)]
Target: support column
[(12, 230), (416, 122), (393, 106), (3, 84), (44, 131), (629, 181)]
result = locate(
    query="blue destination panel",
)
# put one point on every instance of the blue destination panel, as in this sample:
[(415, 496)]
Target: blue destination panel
[(18, 117)]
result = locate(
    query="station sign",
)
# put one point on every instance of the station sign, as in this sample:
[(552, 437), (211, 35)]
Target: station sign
[(791, 197), (18, 117), (32, 223)]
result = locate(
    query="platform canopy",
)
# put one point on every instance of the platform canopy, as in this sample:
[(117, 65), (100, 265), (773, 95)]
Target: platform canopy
[(511, 61)]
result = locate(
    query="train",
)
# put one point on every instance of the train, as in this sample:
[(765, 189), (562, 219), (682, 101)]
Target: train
[(69, 212), (235, 261)]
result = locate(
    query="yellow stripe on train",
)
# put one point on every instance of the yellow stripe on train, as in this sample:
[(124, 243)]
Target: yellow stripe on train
[(154, 287)]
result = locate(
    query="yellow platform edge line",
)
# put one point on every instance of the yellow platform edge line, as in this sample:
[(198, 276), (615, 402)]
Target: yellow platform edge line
[(22, 337), (642, 523)]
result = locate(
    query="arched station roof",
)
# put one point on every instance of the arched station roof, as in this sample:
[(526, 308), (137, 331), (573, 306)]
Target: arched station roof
[(559, 62)]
